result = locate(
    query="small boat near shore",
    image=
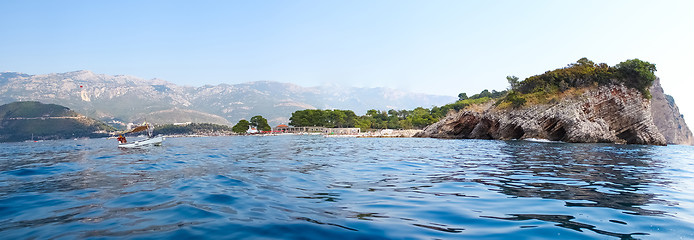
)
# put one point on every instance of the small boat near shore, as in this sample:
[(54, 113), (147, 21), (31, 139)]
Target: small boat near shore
[(151, 140)]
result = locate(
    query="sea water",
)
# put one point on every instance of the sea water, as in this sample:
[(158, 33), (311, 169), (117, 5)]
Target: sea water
[(311, 187)]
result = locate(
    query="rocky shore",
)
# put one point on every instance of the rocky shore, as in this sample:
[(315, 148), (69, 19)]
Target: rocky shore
[(608, 114)]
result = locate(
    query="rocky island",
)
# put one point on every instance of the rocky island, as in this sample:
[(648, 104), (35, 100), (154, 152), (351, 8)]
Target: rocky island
[(584, 102)]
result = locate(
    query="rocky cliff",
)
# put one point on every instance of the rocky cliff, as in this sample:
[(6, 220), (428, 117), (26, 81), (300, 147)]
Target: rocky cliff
[(609, 113), (667, 117)]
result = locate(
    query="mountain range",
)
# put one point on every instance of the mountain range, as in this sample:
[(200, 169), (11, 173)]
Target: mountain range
[(119, 99)]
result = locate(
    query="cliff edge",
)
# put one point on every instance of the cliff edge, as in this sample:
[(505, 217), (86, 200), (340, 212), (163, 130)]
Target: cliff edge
[(611, 113), (667, 117)]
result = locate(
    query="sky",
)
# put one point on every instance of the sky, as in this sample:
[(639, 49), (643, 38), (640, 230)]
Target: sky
[(436, 47)]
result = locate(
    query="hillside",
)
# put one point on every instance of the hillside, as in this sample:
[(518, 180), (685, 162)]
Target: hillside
[(21, 121), (128, 99), (584, 102)]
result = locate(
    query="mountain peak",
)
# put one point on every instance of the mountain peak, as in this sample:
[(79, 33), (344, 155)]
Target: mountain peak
[(81, 74)]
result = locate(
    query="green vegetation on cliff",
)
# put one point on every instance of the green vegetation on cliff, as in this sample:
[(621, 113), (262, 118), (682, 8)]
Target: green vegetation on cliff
[(21, 121), (632, 73)]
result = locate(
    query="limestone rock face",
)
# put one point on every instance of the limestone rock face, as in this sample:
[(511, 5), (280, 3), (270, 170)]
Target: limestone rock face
[(614, 113), (667, 117)]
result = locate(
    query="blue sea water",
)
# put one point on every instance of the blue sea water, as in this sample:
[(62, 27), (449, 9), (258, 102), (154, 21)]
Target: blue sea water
[(310, 187)]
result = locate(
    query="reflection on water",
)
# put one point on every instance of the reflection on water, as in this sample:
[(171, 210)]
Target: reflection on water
[(604, 176), (310, 187), (566, 222)]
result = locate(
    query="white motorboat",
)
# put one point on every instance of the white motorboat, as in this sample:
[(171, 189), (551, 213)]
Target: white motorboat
[(151, 140)]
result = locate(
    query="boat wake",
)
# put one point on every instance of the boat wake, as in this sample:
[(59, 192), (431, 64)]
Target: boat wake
[(541, 140)]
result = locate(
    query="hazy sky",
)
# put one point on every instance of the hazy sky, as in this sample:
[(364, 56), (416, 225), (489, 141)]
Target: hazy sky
[(439, 47)]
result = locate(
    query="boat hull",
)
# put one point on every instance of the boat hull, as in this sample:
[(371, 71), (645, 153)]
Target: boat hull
[(155, 141)]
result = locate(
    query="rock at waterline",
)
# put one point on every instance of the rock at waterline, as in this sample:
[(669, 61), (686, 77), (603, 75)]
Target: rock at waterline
[(610, 113)]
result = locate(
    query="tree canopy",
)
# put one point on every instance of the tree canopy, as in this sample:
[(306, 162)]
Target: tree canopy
[(513, 82), (632, 73), (241, 127), (392, 119), (260, 123), (462, 96), (323, 118), (637, 74)]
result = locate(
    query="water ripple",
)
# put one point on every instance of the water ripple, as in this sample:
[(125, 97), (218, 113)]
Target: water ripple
[(309, 187)]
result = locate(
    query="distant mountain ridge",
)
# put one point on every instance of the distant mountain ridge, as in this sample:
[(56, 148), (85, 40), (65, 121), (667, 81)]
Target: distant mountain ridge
[(121, 98)]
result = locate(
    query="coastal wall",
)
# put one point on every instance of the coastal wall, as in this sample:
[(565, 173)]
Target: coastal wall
[(611, 113)]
